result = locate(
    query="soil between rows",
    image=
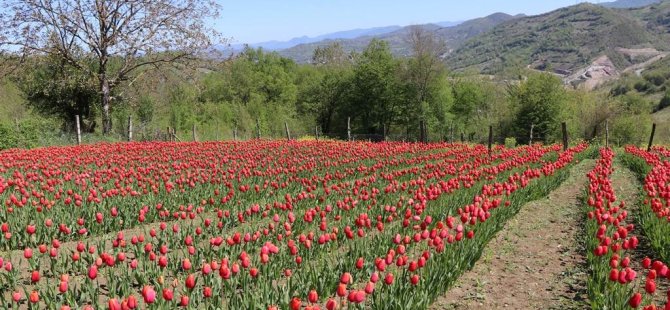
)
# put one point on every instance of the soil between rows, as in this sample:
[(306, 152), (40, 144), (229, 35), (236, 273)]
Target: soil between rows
[(535, 262)]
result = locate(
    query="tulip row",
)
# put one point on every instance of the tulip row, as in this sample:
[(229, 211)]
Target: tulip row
[(655, 214), (433, 269), (611, 244), (256, 225)]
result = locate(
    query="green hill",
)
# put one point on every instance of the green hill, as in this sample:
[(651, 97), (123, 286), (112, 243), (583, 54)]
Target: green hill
[(562, 41)]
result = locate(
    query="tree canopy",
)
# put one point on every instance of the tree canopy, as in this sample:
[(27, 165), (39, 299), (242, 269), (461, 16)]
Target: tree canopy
[(109, 40)]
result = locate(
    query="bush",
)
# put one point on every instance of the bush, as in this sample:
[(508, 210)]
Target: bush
[(665, 102), (510, 142), (655, 78), (7, 137), (641, 86)]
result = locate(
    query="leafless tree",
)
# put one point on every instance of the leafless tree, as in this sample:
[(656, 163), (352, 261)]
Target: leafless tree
[(112, 40), (426, 62), (332, 54)]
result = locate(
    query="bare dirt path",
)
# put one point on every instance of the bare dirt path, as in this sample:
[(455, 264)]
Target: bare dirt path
[(535, 262)]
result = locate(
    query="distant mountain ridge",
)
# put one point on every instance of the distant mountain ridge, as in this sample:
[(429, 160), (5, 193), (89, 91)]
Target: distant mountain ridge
[(453, 36), (347, 34), (628, 4), (339, 35)]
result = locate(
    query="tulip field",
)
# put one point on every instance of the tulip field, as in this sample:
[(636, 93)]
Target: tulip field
[(300, 225)]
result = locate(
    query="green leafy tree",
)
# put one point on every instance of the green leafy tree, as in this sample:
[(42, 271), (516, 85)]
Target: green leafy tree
[(469, 103), (122, 38), (538, 101), (377, 95), (55, 88)]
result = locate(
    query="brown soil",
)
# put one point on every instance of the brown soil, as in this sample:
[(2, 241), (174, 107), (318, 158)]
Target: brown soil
[(535, 262)]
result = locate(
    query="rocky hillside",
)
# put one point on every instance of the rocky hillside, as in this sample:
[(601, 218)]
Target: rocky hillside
[(560, 41)]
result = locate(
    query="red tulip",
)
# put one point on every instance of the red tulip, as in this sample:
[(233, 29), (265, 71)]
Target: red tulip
[(356, 297), (313, 296), (28, 253), (162, 261), (62, 287), (16, 296), (635, 300), (114, 304), (186, 264), (93, 272), (359, 263), (190, 281), (346, 278), (388, 279), (207, 292), (374, 277), (183, 301), (34, 297), (149, 294), (331, 304), (341, 290), (168, 294), (414, 279), (295, 303), (132, 302), (35, 276), (650, 286), (369, 288)]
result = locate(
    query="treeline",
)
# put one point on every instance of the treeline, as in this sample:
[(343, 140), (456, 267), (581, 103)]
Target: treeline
[(382, 95)]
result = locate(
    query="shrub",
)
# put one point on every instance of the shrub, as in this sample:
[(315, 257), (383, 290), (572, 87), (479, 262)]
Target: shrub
[(510, 142)]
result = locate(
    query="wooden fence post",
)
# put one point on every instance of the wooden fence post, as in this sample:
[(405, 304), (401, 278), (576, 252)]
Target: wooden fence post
[(384, 133), (258, 128), (288, 133), (193, 133), (422, 137), (316, 132), (76, 119), (462, 137), (348, 128), (490, 138), (651, 138), (130, 128), (532, 126), (235, 133), (564, 128), (607, 134)]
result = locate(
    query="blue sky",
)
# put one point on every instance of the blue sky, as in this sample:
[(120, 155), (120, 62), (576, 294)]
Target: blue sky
[(251, 21)]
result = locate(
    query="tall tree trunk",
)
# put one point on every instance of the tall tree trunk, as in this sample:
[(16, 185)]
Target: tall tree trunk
[(105, 101)]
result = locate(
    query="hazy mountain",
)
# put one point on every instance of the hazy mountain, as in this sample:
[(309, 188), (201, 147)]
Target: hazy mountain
[(626, 4), (454, 36), (448, 24), (348, 34)]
